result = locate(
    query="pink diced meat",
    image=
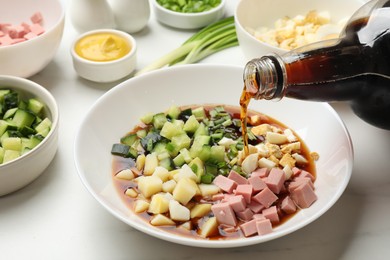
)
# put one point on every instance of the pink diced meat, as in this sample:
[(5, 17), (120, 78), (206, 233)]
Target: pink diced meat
[(37, 18), (225, 184), (249, 228), (237, 203), (30, 35), (219, 196), (224, 214), (257, 183), (246, 191), (305, 174), (255, 206), (37, 29), (245, 215), (265, 197), (6, 40), (275, 180), (258, 217), (264, 227), (298, 182), (233, 175), (296, 171), (303, 195), (260, 172), (288, 205), (271, 214)]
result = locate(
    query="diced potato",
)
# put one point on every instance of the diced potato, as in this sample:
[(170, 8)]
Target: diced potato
[(200, 210), (151, 162), (185, 190), (140, 206), (276, 138), (185, 172), (131, 193), (208, 189), (209, 228), (265, 163), (178, 212), (126, 174), (149, 185), (162, 173), (186, 225), (159, 204), (140, 162), (161, 220), (169, 186), (250, 163)]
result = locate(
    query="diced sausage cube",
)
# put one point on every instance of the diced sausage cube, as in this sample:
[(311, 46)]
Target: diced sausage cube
[(246, 191), (233, 175), (303, 195), (224, 214), (237, 203), (271, 214), (37, 18), (275, 180), (261, 172), (255, 206), (245, 215), (265, 197), (225, 184), (288, 205), (263, 227), (257, 183), (249, 228)]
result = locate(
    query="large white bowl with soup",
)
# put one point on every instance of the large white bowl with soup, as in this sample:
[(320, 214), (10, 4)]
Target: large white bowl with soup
[(119, 110)]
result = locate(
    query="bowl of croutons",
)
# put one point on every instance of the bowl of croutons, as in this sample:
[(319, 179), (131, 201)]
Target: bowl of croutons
[(279, 26)]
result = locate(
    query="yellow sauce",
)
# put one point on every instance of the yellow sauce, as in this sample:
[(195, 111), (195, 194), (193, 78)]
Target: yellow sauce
[(102, 47)]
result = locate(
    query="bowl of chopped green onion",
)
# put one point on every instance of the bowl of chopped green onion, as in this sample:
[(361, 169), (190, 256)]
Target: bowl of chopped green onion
[(28, 132), (188, 14)]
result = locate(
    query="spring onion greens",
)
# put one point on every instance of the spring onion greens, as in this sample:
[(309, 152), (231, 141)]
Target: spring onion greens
[(211, 39), (189, 6)]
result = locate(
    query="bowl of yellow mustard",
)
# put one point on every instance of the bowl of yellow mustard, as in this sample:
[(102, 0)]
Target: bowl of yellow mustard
[(104, 55)]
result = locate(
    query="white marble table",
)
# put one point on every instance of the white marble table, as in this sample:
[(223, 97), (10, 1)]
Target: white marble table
[(56, 218)]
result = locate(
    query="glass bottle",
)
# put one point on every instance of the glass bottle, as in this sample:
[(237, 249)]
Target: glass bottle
[(353, 68)]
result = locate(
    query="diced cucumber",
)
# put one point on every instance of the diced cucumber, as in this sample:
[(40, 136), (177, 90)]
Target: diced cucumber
[(173, 112), (10, 113), (217, 154), (207, 178), (160, 147), (205, 153), (3, 92), (197, 167), (179, 160), (202, 130), (23, 118), (159, 120), (198, 143), (10, 155), (27, 131), (1, 154), (12, 143), (11, 100), (178, 123), (147, 118), (191, 125), (186, 155), (35, 106), (166, 163), (170, 129), (4, 126), (43, 126), (199, 113), (120, 150), (181, 141), (129, 139)]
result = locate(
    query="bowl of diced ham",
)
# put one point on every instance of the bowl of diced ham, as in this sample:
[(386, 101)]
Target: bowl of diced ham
[(177, 169), (30, 34)]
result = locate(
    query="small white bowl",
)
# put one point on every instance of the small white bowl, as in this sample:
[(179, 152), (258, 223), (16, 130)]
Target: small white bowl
[(27, 58), (188, 20), (198, 84), (105, 71), (26, 168), (254, 14)]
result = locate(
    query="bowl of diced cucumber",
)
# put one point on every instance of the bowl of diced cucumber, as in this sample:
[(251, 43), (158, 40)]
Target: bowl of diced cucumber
[(28, 132)]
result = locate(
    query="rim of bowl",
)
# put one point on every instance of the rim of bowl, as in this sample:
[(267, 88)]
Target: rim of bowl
[(54, 113), (55, 25), (129, 38), (238, 23), (213, 10)]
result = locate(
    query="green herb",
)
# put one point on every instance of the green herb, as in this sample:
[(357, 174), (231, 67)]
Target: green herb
[(189, 6), (211, 39)]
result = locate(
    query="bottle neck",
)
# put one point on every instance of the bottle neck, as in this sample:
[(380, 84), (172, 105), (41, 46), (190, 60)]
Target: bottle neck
[(265, 77)]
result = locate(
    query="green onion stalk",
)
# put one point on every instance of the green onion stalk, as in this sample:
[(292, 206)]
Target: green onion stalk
[(211, 39)]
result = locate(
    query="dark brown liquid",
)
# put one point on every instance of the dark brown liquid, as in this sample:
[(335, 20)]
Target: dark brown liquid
[(356, 69)]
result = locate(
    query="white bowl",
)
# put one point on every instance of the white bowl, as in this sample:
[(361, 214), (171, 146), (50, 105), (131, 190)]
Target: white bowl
[(23, 170), (27, 58), (105, 71), (254, 14), (188, 20), (119, 110)]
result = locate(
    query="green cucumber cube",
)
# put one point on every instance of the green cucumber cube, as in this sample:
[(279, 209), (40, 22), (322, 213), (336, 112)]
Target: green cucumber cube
[(191, 125)]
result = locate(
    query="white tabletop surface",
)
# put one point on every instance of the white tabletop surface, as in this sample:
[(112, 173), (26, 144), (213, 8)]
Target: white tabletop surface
[(56, 218)]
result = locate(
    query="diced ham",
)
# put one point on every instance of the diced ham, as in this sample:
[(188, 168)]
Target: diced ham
[(26, 27), (260, 172), (305, 174), (249, 228), (288, 205), (265, 197), (255, 206), (303, 195), (6, 40), (30, 35), (246, 191), (245, 215), (37, 18), (2, 33), (219, 196), (233, 175), (237, 203), (225, 184), (263, 227), (298, 182), (37, 29), (259, 216), (271, 213), (257, 183), (224, 214), (275, 180), (296, 171)]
